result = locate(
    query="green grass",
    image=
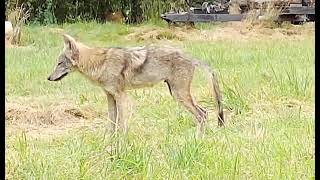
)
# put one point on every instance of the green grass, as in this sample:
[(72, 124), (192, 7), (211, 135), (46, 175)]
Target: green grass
[(268, 91)]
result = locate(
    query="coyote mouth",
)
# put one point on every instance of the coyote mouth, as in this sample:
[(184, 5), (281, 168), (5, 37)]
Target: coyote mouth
[(62, 76), (59, 78)]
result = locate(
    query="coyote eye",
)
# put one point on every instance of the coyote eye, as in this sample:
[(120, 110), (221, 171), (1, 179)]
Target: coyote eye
[(59, 63)]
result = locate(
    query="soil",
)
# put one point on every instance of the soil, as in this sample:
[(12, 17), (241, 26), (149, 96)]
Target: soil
[(40, 120), (235, 31)]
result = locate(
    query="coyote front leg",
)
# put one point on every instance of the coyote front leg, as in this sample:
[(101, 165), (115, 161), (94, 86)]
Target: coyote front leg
[(118, 124), (112, 114), (122, 126), (116, 112)]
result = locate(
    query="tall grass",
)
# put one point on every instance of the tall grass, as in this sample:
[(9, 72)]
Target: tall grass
[(265, 138)]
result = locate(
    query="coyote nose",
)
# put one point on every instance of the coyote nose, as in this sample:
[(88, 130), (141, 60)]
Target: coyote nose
[(49, 78)]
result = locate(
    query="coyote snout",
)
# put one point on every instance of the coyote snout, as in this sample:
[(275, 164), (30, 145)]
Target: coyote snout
[(63, 67), (116, 70)]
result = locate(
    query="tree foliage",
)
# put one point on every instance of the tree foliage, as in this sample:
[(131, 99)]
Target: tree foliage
[(59, 11)]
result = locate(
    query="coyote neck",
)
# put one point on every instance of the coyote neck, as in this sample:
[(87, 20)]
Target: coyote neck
[(91, 62), (87, 57)]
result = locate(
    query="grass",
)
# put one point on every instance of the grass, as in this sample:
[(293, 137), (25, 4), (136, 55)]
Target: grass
[(268, 91)]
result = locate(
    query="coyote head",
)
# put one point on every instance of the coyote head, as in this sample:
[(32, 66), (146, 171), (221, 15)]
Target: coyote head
[(66, 62)]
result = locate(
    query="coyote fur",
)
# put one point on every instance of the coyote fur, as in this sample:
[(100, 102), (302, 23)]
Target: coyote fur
[(116, 70)]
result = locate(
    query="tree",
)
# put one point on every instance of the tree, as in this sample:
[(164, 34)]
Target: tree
[(136, 12)]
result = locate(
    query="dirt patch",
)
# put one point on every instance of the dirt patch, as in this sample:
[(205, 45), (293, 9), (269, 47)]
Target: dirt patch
[(243, 31), (56, 30), (36, 119), (152, 33), (37, 115), (235, 31)]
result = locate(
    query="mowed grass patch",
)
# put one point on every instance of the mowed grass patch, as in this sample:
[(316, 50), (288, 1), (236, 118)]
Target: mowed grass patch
[(268, 96)]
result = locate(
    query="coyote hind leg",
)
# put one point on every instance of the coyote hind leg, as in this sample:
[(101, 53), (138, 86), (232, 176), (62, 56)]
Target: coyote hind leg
[(180, 89)]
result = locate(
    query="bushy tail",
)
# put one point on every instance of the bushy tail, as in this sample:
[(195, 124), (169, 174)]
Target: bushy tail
[(217, 92), (216, 89)]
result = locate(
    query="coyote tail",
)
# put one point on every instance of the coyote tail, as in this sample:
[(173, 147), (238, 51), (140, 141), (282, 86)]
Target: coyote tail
[(216, 88)]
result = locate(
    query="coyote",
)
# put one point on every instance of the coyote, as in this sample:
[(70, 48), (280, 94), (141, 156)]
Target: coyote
[(119, 69)]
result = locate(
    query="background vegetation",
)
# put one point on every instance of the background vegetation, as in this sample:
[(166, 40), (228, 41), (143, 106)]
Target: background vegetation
[(59, 11)]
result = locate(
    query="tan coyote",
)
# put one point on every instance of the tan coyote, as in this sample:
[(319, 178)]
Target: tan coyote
[(119, 69)]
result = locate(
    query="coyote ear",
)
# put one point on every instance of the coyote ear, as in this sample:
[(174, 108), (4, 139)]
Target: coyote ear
[(70, 44)]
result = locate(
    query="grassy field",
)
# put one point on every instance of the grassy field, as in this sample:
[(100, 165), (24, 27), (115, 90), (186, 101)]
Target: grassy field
[(55, 130)]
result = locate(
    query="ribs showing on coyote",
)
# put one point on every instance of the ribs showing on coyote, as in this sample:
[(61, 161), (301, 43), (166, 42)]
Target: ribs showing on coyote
[(119, 69)]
